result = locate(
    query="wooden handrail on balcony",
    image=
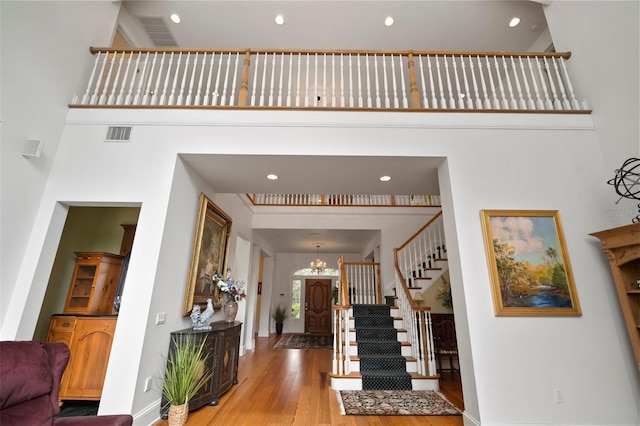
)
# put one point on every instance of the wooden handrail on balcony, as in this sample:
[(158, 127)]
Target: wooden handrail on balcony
[(332, 80)]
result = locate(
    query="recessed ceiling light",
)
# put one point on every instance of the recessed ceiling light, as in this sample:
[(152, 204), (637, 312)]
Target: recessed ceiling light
[(515, 21), (279, 20), (388, 21), (385, 178), (175, 18), (272, 176)]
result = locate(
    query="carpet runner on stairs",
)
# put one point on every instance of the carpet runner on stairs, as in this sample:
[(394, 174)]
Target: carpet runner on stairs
[(382, 365)]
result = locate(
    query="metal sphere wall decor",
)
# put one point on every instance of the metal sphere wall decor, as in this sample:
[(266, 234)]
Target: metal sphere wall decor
[(627, 182)]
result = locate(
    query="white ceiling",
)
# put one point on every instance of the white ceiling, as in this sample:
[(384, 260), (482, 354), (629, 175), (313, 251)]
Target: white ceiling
[(475, 25)]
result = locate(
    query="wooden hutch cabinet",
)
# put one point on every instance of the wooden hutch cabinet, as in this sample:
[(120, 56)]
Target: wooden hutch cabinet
[(88, 324), (223, 345), (94, 283), (622, 247)]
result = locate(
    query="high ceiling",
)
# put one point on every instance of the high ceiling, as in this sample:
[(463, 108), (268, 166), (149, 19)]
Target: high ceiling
[(475, 25)]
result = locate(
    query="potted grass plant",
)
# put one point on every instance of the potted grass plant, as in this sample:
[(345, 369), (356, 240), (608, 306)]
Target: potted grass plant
[(185, 375), (279, 314)]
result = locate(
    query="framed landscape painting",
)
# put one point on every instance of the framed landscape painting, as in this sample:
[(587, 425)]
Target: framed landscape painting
[(208, 256), (528, 263)]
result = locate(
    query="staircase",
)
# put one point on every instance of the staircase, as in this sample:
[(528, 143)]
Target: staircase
[(379, 353), (381, 363), (383, 347)]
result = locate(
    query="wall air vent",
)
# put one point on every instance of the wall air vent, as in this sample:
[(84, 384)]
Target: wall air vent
[(118, 134), (157, 31)]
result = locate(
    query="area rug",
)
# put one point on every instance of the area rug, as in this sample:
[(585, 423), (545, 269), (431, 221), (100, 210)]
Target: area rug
[(395, 403), (305, 341)]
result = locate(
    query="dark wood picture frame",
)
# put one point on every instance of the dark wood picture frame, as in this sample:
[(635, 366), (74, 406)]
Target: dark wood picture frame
[(209, 255)]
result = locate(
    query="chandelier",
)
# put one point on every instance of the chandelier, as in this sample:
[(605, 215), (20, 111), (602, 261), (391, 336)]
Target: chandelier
[(318, 265)]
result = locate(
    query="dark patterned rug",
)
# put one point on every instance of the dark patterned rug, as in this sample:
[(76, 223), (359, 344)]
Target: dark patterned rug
[(305, 341), (395, 403)]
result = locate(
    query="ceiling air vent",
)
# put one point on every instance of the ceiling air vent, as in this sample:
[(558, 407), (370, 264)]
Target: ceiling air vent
[(118, 134), (157, 31)]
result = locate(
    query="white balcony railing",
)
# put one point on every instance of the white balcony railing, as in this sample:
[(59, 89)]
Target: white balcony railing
[(353, 200), (371, 80)]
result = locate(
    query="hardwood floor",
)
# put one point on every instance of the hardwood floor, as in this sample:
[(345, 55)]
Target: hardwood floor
[(292, 387)]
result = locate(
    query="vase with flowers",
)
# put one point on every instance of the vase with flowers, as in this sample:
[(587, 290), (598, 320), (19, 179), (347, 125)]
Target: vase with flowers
[(232, 291)]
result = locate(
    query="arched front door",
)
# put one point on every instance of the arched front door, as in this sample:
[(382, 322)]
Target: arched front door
[(317, 306)]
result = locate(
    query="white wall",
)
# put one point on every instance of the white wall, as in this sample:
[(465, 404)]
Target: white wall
[(515, 161), (37, 36)]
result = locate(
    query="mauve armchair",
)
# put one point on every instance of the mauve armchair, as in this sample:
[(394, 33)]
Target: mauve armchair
[(30, 374)]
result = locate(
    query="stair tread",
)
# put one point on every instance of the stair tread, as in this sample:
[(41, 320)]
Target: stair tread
[(355, 343), (408, 358), (358, 375)]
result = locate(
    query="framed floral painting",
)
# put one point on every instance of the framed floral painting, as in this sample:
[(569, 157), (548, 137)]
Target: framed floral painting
[(209, 255), (528, 263)]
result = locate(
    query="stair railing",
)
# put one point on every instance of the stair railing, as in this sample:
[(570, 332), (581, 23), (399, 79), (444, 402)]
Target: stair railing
[(359, 283), (412, 260)]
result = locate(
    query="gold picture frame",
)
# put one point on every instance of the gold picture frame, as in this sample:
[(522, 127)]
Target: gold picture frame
[(528, 263), (209, 255)]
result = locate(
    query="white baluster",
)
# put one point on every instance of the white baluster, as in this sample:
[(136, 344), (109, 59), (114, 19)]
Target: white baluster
[(466, 81), (377, 78), (290, 80), (129, 96), (298, 80), (350, 82), (443, 102), (528, 103), (539, 102), (174, 85), (155, 91), (369, 104), (341, 80), (452, 101), (264, 78), (396, 103), (223, 100), (475, 84), (565, 101), (255, 79), (386, 84), (143, 74), (306, 85), (94, 98), (434, 101), (184, 79), (521, 104), (477, 94), (215, 95), (192, 80), (425, 102), (459, 96), (202, 67), (324, 79), (405, 101), (513, 104), (85, 97), (281, 79), (205, 100), (107, 81), (116, 80), (360, 100), (148, 91), (315, 79), (556, 101), (273, 75), (496, 103), (333, 79), (124, 80), (165, 87), (234, 85), (574, 101), (505, 103)]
